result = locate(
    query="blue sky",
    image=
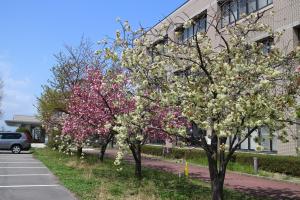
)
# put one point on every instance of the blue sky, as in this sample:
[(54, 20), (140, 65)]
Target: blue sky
[(33, 30)]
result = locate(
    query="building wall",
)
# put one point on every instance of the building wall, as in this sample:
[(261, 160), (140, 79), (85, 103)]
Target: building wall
[(289, 148), (286, 18)]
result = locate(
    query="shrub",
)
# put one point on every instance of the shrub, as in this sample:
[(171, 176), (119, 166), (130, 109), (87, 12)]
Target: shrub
[(53, 141), (289, 165), (22, 130)]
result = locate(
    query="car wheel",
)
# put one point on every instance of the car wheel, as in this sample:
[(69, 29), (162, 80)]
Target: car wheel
[(16, 149)]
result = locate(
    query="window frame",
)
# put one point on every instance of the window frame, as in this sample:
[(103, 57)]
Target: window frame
[(6, 136), (193, 29), (238, 7), (266, 41), (186, 35), (298, 35), (201, 19), (233, 17), (248, 8)]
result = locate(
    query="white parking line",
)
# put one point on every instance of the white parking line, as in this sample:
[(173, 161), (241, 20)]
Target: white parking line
[(24, 186), (20, 162), (16, 156), (25, 167), (16, 159), (20, 157), (5, 175)]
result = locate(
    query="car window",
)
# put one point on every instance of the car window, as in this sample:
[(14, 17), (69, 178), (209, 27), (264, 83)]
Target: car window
[(11, 136)]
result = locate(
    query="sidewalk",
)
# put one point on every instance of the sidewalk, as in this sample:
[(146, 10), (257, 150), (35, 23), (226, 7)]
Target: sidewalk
[(255, 186)]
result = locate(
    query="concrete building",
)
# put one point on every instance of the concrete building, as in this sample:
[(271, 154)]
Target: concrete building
[(278, 14), (31, 123)]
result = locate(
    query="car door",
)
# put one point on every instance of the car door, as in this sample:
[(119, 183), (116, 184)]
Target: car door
[(10, 139), (4, 142), (1, 141)]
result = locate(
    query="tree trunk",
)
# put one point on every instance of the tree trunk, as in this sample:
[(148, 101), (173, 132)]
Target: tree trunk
[(79, 152), (138, 169), (112, 142), (104, 145), (102, 152), (138, 163), (216, 177), (217, 174), (136, 152), (217, 189)]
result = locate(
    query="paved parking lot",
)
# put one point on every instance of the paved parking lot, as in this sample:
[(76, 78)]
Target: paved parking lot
[(23, 177)]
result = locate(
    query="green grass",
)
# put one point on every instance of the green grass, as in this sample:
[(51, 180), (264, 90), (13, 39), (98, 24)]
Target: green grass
[(231, 166), (91, 180), (237, 167)]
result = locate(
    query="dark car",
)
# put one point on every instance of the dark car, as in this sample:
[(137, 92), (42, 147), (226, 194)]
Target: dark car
[(15, 141)]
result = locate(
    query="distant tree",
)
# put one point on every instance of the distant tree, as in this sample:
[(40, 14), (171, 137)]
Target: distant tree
[(68, 71), (22, 129), (26, 131), (51, 105), (71, 64)]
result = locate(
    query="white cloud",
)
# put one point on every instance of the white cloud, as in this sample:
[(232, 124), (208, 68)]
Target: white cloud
[(17, 98)]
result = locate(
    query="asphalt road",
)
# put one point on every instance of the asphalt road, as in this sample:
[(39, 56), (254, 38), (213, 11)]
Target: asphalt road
[(23, 177)]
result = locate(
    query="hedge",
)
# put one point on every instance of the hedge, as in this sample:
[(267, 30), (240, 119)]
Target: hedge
[(289, 165)]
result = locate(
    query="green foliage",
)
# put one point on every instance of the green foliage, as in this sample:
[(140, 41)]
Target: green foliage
[(52, 139), (50, 103), (289, 165), (90, 180), (298, 111), (175, 153), (22, 130)]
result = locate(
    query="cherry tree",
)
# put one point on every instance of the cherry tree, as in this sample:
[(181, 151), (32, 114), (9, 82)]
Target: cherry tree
[(227, 92), (94, 105), (147, 121), (68, 70)]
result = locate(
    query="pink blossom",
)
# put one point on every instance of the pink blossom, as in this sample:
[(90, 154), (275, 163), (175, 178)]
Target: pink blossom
[(94, 103)]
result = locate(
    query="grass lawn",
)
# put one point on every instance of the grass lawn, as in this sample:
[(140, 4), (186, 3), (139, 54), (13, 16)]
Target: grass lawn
[(231, 166), (89, 179)]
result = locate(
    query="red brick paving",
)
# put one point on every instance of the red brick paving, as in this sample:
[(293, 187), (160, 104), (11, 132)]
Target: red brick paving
[(252, 185)]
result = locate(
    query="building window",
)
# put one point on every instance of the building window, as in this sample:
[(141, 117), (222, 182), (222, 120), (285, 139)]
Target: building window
[(187, 33), (242, 8), (267, 43), (233, 10), (298, 35), (225, 14), (252, 6), (264, 3), (233, 17), (199, 25), (154, 50), (178, 32)]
